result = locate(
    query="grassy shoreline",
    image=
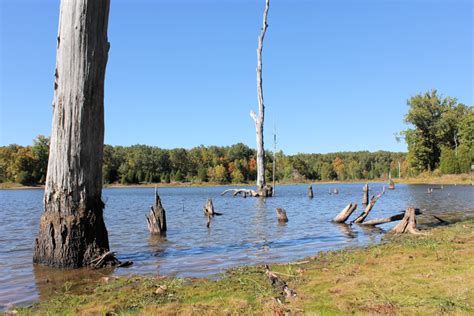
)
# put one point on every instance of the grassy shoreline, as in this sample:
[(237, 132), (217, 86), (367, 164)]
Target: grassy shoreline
[(458, 179), (406, 275)]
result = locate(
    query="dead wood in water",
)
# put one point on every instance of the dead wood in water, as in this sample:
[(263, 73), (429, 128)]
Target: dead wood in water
[(345, 213), (365, 196), (360, 219), (281, 215), (266, 191), (408, 223), (310, 192), (209, 209), (393, 218), (156, 219)]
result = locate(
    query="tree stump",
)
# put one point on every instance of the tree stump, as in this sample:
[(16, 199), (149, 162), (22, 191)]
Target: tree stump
[(209, 208), (157, 218), (365, 196), (345, 213), (408, 223), (310, 192), (360, 219), (281, 215)]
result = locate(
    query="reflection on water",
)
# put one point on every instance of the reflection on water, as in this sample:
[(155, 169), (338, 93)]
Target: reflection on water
[(247, 233)]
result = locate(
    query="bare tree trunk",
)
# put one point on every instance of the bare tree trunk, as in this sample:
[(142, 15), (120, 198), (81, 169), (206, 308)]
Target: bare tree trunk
[(156, 219), (361, 218), (281, 215), (310, 192), (408, 223), (365, 197), (72, 231), (259, 120)]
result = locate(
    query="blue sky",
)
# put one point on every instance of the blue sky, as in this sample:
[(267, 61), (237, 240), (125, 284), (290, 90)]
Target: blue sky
[(336, 74)]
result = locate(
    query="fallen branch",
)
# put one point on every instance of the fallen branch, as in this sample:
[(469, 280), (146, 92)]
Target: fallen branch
[(393, 218), (345, 213), (278, 283), (243, 192), (360, 219)]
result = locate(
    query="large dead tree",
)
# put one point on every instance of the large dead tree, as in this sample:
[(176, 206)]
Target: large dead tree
[(72, 231), (262, 188)]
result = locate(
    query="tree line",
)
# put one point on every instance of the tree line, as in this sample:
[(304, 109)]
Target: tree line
[(214, 164), (440, 140)]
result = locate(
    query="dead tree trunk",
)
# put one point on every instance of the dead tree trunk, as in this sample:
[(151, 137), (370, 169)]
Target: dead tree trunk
[(345, 213), (310, 192), (209, 208), (259, 120), (72, 231), (408, 223), (390, 219), (156, 219), (360, 219), (365, 197)]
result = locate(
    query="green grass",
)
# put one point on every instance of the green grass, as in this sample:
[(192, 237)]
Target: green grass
[(405, 275)]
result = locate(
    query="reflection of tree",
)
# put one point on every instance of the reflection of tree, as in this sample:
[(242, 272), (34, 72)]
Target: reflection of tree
[(346, 230)]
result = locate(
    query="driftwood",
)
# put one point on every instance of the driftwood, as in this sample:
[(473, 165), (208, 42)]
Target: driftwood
[(345, 213), (108, 259), (281, 215), (265, 192), (310, 192), (278, 283), (393, 218), (365, 196), (360, 219), (156, 219), (408, 223)]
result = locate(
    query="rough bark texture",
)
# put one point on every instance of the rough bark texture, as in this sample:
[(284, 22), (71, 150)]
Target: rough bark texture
[(408, 223), (345, 213), (259, 120), (156, 219), (72, 231)]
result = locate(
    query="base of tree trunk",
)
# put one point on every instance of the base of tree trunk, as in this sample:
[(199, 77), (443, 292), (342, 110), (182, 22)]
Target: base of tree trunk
[(71, 241), (310, 192), (408, 223)]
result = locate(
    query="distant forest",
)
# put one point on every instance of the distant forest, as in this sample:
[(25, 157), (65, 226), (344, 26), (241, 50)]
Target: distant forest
[(441, 141)]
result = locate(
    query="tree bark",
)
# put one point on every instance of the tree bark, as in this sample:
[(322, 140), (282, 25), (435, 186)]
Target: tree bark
[(345, 213), (310, 192), (156, 219), (259, 120), (365, 197), (408, 223), (360, 219), (72, 231)]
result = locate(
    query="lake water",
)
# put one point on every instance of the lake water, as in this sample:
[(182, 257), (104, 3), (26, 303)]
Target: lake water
[(248, 233)]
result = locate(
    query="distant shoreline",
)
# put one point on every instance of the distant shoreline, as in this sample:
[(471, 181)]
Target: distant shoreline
[(458, 179)]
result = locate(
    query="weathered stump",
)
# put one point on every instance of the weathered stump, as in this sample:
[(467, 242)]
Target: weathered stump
[(408, 223), (390, 219), (157, 218), (365, 196), (310, 192), (209, 208), (345, 213), (281, 215)]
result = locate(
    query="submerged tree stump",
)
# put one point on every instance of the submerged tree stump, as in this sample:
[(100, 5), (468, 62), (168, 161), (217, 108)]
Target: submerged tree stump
[(310, 192), (281, 215), (345, 213), (408, 223), (365, 196), (156, 219), (209, 208), (360, 219)]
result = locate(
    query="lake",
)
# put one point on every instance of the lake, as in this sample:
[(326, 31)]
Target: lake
[(248, 233)]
